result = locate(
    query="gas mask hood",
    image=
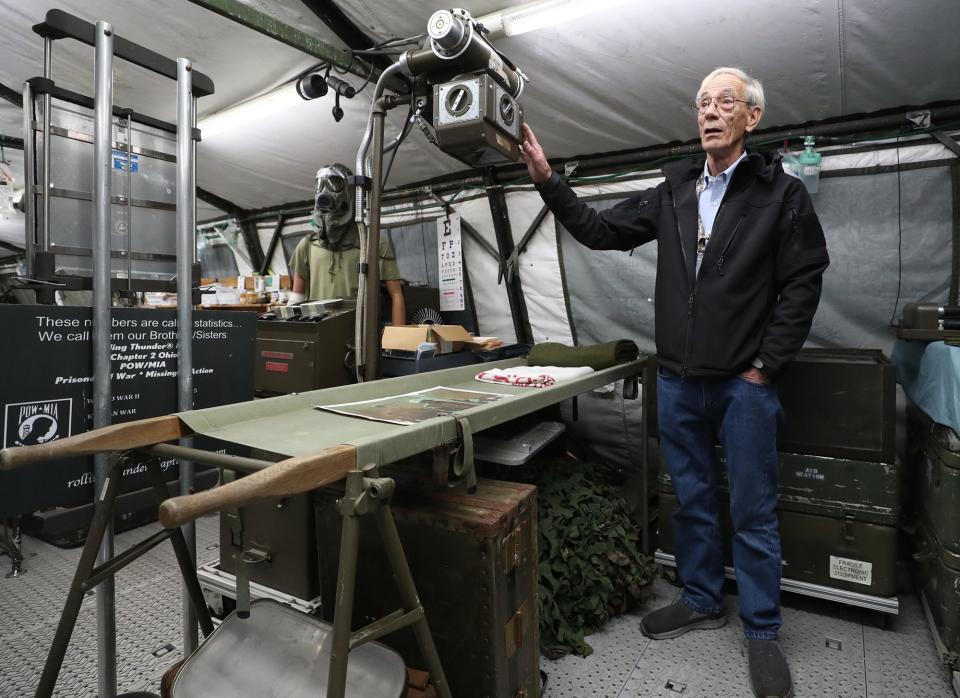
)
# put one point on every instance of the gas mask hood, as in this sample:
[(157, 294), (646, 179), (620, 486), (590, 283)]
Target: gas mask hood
[(333, 207)]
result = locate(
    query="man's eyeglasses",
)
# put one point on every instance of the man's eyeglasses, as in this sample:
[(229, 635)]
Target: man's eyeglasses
[(725, 104)]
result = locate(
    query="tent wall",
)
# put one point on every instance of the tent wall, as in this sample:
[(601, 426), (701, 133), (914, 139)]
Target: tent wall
[(218, 262), (887, 208), (883, 230), (12, 223), (293, 229), (215, 241), (492, 305), (611, 292), (889, 236), (541, 274)]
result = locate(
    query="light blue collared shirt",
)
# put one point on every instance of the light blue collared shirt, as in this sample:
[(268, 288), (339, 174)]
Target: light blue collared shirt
[(714, 189)]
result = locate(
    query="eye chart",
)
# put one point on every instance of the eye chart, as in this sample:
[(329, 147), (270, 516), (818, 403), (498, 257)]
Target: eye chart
[(450, 258)]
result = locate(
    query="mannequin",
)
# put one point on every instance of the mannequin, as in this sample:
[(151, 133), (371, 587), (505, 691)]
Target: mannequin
[(324, 264)]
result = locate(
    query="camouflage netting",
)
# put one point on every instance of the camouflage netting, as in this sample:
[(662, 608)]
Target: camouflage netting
[(591, 564)]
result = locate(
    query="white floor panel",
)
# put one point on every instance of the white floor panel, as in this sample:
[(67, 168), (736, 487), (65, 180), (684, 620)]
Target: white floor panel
[(902, 659), (824, 646), (616, 651), (833, 650)]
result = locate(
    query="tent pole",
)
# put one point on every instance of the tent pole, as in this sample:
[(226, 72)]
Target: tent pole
[(103, 141), (274, 240), (243, 13), (185, 255), (954, 297), (501, 227), (30, 174)]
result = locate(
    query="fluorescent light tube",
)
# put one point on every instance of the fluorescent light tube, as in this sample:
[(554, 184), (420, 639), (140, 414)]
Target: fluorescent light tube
[(544, 13)]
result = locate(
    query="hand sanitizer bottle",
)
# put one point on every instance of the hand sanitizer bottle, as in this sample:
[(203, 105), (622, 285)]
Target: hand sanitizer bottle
[(810, 166)]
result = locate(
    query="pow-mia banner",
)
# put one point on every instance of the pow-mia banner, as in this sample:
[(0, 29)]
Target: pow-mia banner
[(46, 387), (32, 423)]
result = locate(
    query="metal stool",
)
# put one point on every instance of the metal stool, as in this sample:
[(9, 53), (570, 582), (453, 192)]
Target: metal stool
[(278, 651)]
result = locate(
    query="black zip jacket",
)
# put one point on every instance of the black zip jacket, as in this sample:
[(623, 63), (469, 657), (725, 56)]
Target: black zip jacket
[(760, 279)]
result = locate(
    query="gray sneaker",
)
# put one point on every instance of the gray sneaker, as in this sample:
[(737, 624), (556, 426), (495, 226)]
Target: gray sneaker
[(769, 672), (676, 619)]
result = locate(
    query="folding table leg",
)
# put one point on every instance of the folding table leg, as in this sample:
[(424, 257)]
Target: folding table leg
[(410, 598), (371, 495), (12, 545), (102, 517), (187, 569), (343, 613)]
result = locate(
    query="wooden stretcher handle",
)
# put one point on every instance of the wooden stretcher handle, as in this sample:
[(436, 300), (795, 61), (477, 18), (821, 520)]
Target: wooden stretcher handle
[(116, 437), (289, 477)]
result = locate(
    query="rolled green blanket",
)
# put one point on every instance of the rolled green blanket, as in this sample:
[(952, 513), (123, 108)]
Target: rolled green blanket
[(596, 356)]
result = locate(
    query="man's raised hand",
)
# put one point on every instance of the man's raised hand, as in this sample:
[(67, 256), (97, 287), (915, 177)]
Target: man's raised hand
[(533, 156)]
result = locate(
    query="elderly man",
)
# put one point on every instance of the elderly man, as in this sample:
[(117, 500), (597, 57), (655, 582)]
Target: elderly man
[(740, 259), (325, 263)]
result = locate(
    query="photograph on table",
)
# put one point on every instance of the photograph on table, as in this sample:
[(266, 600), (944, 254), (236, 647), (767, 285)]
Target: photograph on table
[(414, 407)]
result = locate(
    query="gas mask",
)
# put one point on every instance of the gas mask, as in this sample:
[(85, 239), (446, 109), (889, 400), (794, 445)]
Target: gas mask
[(333, 208)]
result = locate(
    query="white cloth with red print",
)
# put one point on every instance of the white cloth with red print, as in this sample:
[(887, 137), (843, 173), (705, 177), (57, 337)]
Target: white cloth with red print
[(532, 376)]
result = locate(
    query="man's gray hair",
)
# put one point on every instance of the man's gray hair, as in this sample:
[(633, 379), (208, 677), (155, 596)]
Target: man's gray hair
[(754, 90)]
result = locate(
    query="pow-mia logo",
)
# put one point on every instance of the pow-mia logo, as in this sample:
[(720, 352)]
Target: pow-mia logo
[(31, 423)]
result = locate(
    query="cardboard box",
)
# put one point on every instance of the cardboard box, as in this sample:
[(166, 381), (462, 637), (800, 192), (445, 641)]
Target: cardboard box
[(446, 338)]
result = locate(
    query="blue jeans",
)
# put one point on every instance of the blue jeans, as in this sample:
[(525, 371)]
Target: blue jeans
[(695, 415)]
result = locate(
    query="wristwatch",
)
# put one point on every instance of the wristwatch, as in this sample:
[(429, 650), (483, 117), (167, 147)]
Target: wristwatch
[(757, 363)]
